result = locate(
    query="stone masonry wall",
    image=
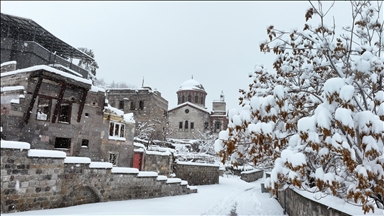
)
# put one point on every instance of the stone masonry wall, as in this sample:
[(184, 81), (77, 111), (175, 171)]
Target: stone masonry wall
[(32, 183), (252, 175), (295, 204), (197, 173), (158, 162)]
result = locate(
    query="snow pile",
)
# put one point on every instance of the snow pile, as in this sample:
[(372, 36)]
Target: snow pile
[(128, 117), (82, 160), (101, 165)]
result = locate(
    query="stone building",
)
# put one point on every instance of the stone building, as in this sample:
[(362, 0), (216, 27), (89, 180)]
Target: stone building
[(148, 107), (51, 103), (190, 117)]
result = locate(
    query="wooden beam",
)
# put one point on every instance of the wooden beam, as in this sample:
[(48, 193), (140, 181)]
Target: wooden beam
[(33, 99), (82, 103), (59, 100)]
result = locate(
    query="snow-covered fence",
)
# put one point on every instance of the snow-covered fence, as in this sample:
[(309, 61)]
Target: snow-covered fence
[(251, 175), (43, 179), (197, 173)]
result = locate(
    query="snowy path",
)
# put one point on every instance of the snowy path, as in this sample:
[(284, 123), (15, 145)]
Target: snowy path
[(231, 197)]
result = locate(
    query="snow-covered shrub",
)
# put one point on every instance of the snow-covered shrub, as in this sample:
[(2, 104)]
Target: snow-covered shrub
[(318, 117)]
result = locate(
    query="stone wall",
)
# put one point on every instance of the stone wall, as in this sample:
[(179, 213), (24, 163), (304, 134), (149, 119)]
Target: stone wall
[(251, 175), (197, 173), (160, 162), (32, 183), (295, 204)]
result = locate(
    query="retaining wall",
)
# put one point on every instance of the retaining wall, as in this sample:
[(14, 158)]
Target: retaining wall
[(197, 173), (36, 182), (251, 175), (295, 204)]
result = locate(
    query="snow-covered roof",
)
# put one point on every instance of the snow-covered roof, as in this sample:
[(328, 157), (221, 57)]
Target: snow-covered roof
[(128, 117), (7, 63), (49, 69), (191, 85), (96, 89), (189, 104)]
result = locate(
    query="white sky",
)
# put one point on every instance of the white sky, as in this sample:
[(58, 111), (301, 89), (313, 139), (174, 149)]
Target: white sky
[(168, 42)]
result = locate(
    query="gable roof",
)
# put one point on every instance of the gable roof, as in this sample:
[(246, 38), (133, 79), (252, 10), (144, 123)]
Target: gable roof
[(189, 104)]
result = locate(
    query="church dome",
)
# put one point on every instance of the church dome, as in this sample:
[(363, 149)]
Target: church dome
[(191, 85)]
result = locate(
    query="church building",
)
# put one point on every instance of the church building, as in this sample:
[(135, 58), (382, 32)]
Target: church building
[(190, 117)]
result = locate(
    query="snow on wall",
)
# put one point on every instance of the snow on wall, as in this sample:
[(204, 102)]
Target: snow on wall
[(15, 145), (46, 153)]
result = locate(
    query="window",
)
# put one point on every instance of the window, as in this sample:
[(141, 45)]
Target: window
[(141, 105), (65, 113), (43, 109), (178, 100), (180, 125), (121, 105), (196, 99), (206, 125), (116, 130), (202, 100), (183, 99), (84, 143), (192, 125), (61, 142), (189, 98), (113, 158), (217, 126), (133, 107), (186, 125), (186, 111)]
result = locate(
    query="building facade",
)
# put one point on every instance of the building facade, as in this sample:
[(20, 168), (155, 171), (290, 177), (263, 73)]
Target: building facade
[(148, 107), (190, 118), (51, 103)]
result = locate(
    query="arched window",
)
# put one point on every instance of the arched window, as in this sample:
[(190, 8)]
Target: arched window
[(182, 99), (186, 124), (189, 98), (217, 126), (202, 100), (196, 99)]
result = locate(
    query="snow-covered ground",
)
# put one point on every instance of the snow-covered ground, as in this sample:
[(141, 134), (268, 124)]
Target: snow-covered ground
[(231, 197)]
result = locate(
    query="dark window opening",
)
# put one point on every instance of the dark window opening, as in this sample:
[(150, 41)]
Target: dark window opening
[(192, 125), (86, 114), (141, 105), (84, 143), (113, 158), (217, 126), (183, 99), (202, 100), (65, 113), (180, 125), (133, 107), (196, 99), (186, 125), (189, 98), (206, 125), (62, 142), (178, 100), (121, 105), (43, 109)]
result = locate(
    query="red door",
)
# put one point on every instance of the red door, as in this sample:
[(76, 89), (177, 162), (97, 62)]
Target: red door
[(137, 159)]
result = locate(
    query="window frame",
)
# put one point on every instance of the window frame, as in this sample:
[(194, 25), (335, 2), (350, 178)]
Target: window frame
[(141, 105), (63, 139), (49, 108), (121, 105), (69, 114), (181, 125), (116, 158), (115, 131)]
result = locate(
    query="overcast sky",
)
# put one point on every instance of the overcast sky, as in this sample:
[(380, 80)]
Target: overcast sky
[(168, 42)]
